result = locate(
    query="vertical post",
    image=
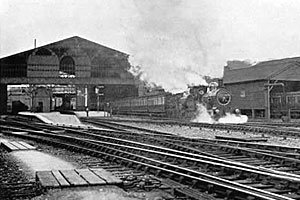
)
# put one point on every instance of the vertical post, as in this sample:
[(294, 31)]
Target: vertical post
[(86, 101), (3, 99), (253, 113), (107, 109), (98, 102), (104, 105), (85, 96), (268, 114)]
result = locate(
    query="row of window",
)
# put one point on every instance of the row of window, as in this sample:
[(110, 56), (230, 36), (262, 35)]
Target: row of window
[(150, 101), (291, 100)]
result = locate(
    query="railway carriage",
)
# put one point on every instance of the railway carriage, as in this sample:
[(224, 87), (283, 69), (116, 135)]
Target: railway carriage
[(153, 104)]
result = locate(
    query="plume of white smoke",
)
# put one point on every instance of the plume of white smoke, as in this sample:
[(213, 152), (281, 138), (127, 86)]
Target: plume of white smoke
[(202, 115), (168, 44), (233, 119)]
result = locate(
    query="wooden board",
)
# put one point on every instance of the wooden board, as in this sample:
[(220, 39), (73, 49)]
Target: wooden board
[(9, 146), (73, 178), (28, 146), (107, 176), (60, 179), (90, 177), (46, 179), (20, 146)]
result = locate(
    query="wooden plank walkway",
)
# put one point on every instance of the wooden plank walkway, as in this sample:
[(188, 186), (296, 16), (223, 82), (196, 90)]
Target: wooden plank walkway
[(9, 146), (60, 179), (76, 178), (73, 178), (90, 177), (16, 146), (28, 146), (107, 176), (46, 179)]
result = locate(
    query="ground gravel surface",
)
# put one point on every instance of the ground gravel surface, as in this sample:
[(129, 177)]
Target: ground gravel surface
[(194, 132)]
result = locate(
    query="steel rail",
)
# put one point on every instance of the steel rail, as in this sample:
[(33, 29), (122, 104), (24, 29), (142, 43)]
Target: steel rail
[(215, 180)]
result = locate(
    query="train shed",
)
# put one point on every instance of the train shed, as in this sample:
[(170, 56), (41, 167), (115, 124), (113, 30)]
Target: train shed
[(70, 74), (266, 90)]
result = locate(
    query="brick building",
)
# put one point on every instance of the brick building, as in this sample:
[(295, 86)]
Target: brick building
[(78, 72), (267, 89)]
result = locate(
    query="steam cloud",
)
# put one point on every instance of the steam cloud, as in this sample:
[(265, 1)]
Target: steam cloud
[(168, 45), (234, 119), (203, 116)]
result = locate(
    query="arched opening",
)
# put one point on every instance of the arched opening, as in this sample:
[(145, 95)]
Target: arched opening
[(43, 52), (67, 67)]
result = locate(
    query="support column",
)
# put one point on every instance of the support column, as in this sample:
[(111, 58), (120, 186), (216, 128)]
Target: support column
[(267, 102), (3, 99), (253, 113), (85, 96)]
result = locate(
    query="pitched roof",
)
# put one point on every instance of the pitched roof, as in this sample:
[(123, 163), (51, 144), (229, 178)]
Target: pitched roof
[(75, 42), (284, 69)]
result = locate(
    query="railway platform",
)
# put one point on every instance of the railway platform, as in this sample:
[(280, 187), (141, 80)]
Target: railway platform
[(56, 118)]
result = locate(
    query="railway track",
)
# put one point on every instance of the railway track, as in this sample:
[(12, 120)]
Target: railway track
[(170, 165), (286, 151), (264, 158), (272, 129)]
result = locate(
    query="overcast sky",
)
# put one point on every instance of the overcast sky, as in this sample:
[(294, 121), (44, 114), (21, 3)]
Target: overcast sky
[(200, 35)]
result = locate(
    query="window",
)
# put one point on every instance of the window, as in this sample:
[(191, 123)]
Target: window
[(43, 52), (298, 99), (67, 67), (243, 94), (291, 100), (276, 100)]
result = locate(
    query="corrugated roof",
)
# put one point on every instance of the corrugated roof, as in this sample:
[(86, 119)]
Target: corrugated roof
[(263, 71)]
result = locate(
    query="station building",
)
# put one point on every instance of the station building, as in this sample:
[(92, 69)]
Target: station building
[(71, 74), (269, 89)]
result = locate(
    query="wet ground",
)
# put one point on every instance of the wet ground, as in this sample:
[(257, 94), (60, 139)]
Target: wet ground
[(38, 161), (100, 193)]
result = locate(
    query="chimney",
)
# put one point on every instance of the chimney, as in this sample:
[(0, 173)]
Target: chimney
[(34, 43)]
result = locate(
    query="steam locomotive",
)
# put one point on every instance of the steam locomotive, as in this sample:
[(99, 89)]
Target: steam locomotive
[(215, 100)]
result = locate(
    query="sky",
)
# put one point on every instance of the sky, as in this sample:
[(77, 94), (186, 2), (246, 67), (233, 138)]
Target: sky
[(174, 41)]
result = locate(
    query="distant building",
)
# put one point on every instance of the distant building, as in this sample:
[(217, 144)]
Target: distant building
[(266, 89), (79, 73)]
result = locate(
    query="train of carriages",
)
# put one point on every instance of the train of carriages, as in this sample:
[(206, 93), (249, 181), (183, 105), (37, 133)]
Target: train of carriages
[(216, 100)]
